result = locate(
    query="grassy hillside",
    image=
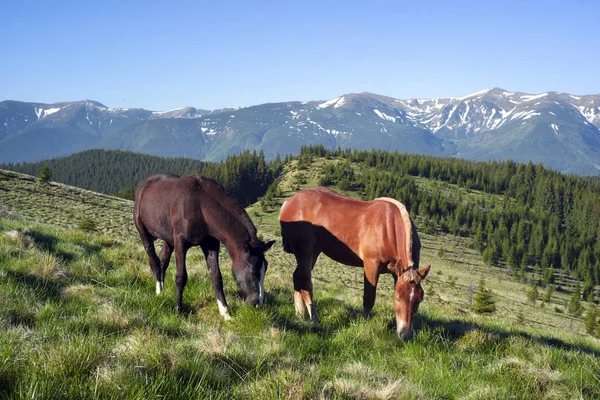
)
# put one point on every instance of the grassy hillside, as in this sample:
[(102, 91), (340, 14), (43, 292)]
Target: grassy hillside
[(79, 318)]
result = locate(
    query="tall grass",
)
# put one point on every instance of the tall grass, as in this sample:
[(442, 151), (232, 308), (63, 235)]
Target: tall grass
[(79, 319)]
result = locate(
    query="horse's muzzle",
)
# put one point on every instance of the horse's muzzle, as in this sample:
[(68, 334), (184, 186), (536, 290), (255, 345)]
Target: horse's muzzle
[(253, 300), (404, 332)]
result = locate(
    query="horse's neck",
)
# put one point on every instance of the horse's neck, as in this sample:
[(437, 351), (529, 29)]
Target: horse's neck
[(236, 242)]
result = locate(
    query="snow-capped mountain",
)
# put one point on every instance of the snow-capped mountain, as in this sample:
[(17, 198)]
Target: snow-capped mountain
[(559, 129)]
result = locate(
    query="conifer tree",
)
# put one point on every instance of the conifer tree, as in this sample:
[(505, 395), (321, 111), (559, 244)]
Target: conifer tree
[(533, 294), (575, 306), (592, 325), (45, 174), (483, 301), (549, 293)]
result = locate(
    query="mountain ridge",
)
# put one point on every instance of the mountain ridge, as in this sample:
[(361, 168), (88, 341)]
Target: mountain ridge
[(560, 130)]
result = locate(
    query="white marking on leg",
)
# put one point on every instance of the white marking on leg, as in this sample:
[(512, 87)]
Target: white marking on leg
[(224, 311), (261, 285), (299, 303), (310, 308), (159, 287)]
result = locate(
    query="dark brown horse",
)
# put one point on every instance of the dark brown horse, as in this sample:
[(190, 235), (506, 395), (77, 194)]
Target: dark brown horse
[(377, 235), (196, 211)]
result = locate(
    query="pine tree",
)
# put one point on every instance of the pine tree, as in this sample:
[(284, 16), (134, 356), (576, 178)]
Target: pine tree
[(575, 306), (45, 174), (591, 321), (549, 293), (533, 294), (483, 301)]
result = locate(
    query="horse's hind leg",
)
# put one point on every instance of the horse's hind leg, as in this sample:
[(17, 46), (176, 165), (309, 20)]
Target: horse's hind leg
[(303, 289), (165, 257), (148, 242), (210, 247)]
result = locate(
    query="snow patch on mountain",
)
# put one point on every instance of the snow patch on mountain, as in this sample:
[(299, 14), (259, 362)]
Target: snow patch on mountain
[(41, 113), (481, 92), (588, 113), (336, 102), (533, 97), (165, 112), (384, 116)]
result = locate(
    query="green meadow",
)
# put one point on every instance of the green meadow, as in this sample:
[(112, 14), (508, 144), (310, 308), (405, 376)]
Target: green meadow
[(79, 318)]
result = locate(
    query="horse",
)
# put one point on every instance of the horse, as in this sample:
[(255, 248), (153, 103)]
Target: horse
[(196, 211), (377, 235)]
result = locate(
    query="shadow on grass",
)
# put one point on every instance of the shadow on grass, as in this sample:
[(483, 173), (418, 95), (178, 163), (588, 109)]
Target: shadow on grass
[(50, 243), (284, 317), (456, 329), (45, 289)]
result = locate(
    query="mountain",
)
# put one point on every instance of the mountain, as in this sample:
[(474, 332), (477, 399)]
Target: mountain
[(560, 130)]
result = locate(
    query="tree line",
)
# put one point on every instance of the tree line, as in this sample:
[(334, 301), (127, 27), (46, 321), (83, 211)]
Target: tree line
[(107, 171), (245, 176)]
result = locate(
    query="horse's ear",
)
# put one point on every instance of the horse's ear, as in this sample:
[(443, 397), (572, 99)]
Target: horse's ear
[(424, 271), (267, 245)]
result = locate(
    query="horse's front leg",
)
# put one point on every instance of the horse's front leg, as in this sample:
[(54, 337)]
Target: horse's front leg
[(210, 247), (371, 277), (181, 247)]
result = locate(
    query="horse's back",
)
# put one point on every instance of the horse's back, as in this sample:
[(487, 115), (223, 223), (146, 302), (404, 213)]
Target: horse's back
[(155, 199), (345, 229), (321, 220)]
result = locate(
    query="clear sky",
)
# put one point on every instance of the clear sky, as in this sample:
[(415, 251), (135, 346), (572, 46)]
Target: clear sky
[(162, 55)]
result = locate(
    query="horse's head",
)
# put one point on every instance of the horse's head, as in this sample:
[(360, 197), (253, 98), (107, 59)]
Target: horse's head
[(250, 277), (408, 293)]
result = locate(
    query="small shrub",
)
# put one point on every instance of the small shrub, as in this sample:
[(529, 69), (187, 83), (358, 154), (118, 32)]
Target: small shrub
[(87, 224), (452, 282), (441, 252)]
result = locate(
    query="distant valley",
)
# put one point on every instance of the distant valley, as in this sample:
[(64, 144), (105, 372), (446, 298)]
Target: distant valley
[(560, 130)]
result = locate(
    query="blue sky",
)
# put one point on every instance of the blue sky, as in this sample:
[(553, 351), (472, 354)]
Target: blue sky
[(163, 55)]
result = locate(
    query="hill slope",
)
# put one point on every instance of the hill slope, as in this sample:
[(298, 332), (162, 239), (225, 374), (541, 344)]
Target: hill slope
[(96, 293)]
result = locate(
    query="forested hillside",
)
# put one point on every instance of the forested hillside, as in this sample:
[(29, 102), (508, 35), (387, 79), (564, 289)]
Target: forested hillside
[(524, 216), (107, 171), (546, 221), (246, 176)]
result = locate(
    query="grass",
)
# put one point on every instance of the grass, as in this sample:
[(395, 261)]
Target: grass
[(79, 319)]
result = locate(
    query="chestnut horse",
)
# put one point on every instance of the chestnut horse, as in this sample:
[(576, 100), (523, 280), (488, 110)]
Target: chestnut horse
[(196, 211), (377, 235)]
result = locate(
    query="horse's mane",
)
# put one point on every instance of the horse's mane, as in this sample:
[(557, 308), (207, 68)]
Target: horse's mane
[(411, 275), (408, 228), (217, 191)]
